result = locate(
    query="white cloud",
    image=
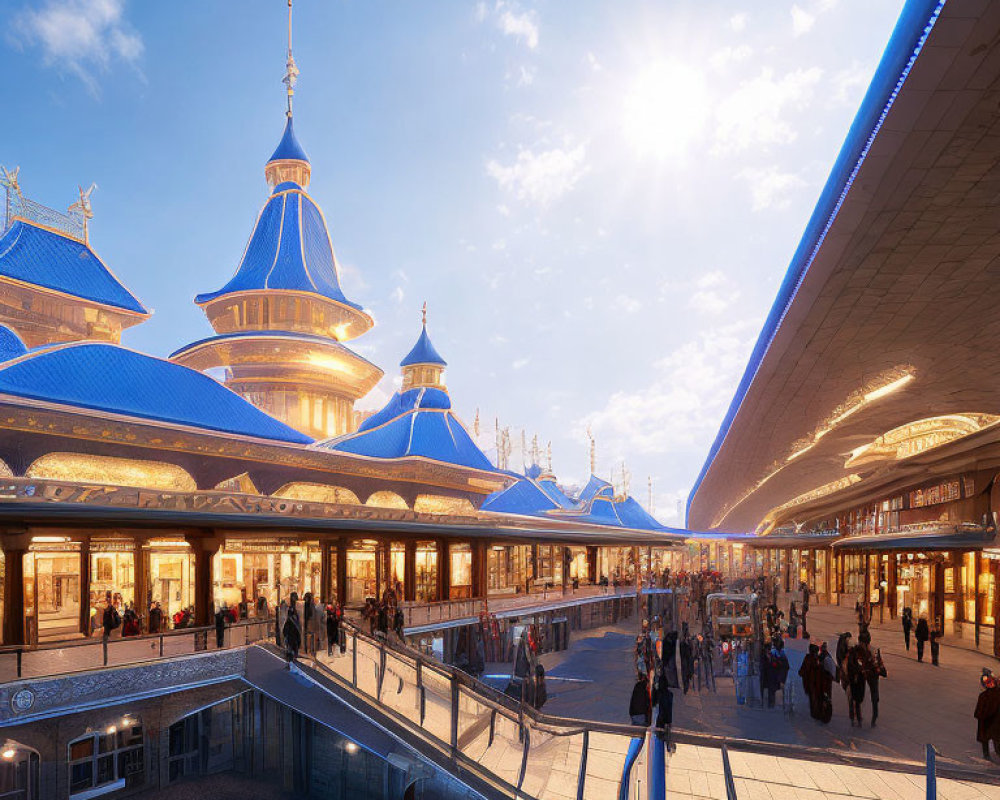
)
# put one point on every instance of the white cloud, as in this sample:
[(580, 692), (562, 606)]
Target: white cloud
[(595, 65), (398, 294), (722, 58), (713, 293), (521, 25), (521, 362), (540, 178), (82, 36), (628, 305), (690, 390), (802, 21), (770, 187), (753, 113), (738, 21), (849, 84)]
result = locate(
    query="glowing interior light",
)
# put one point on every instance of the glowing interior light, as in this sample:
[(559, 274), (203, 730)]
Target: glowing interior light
[(889, 388), (112, 729), (9, 753), (351, 747)]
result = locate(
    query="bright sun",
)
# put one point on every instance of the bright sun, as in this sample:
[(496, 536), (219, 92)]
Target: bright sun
[(665, 110)]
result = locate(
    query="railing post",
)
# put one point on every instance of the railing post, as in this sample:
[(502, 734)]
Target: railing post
[(161, 645), (931, 774), (581, 780), (381, 671), (728, 774), (420, 689), (454, 716), (104, 647), (20, 652), (354, 659)]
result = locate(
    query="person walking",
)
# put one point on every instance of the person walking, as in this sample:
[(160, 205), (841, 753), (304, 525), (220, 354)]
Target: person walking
[(663, 700), (639, 705), (155, 617), (332, 627), (935, 646), (687, 662), (291, 633), (776, 674), (793, 621), (808, 673), (875, 669), (987, 714), (907, 622), (220, 625), (827, 675), (110, 619), (923, 633)]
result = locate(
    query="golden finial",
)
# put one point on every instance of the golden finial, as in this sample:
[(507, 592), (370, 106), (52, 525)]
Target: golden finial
[(549, 454), (8, 180), (475, 425), (82, 207), (423, 314), (524, 451), (291, 71)]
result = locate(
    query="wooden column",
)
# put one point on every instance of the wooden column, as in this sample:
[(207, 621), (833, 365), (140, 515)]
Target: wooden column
[(410, 572), (325, 573), (140, 559), (956, 559), (893, 578), (566, 558), (341, 568), (479, 569), (443, 570), (592, 575), (85, 589), (13, 590), (204, 600), (995, 569)]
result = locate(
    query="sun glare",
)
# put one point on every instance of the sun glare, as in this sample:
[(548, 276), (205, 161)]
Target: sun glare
[(665, 110)]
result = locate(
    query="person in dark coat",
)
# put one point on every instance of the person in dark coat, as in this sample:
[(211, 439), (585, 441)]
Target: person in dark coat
[(808, 672), (663, 699), (774, 674), (907, 625), (307, 627), (333, 614), (669, 660), (805, 610), (155, 617), (935, 647), (221, 617), (382, 621), (923, 633), (875, 670), (291, 633), (859, 667), (639, 706), (687, 662), (988, 714), (827, 674)]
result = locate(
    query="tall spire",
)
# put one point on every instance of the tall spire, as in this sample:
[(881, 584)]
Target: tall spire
[(291, 71)]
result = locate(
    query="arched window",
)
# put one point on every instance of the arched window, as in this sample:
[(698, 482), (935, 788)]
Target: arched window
[(107, 760)]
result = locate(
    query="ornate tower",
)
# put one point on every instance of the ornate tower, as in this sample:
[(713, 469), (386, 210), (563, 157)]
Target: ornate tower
[(282, 318)]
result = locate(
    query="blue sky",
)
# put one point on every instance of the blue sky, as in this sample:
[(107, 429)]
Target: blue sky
[(597, 200)]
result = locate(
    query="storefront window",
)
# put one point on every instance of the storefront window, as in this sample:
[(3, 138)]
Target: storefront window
[(913, 588), (397, 566), (426, 569), (52, 591), (171, 577), (361, 571), (461, 570), (986, 581), (112, 569), (249, 570), (578, 564), (820, 585)]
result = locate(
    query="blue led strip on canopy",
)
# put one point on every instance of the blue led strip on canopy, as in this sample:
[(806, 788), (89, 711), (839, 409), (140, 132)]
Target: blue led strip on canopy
[(908, 39)]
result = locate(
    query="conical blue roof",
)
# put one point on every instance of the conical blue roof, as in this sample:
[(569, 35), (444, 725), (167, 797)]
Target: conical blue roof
[(289, 147), (289, 250), (11, 345), (423, 352)]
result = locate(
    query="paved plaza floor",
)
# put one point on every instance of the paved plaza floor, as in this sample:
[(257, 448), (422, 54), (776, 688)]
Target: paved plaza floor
[(920, 703)]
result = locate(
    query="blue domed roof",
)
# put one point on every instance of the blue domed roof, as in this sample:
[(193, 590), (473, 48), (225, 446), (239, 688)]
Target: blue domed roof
[(417, 422), (11, 345), (51, 260), (289, 250), (288, 148), (423, 352), (110, 378)]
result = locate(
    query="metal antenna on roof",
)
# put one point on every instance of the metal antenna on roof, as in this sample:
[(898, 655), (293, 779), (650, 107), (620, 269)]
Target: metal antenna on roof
[(524, 452), (423, 315), (8, 180), (549, 454), (593, 452), (291, 71)]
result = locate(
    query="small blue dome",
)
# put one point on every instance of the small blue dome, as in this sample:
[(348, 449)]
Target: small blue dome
[(289, 148), (11, 345), (533, 471), (286, 186), (423, 352)]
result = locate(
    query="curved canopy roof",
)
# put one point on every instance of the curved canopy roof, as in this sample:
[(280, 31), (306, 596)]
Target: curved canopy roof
[(883, 317), (417, 422), (109, 378), (289, 250), (423, 352), (41, 257), (288, 148)]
